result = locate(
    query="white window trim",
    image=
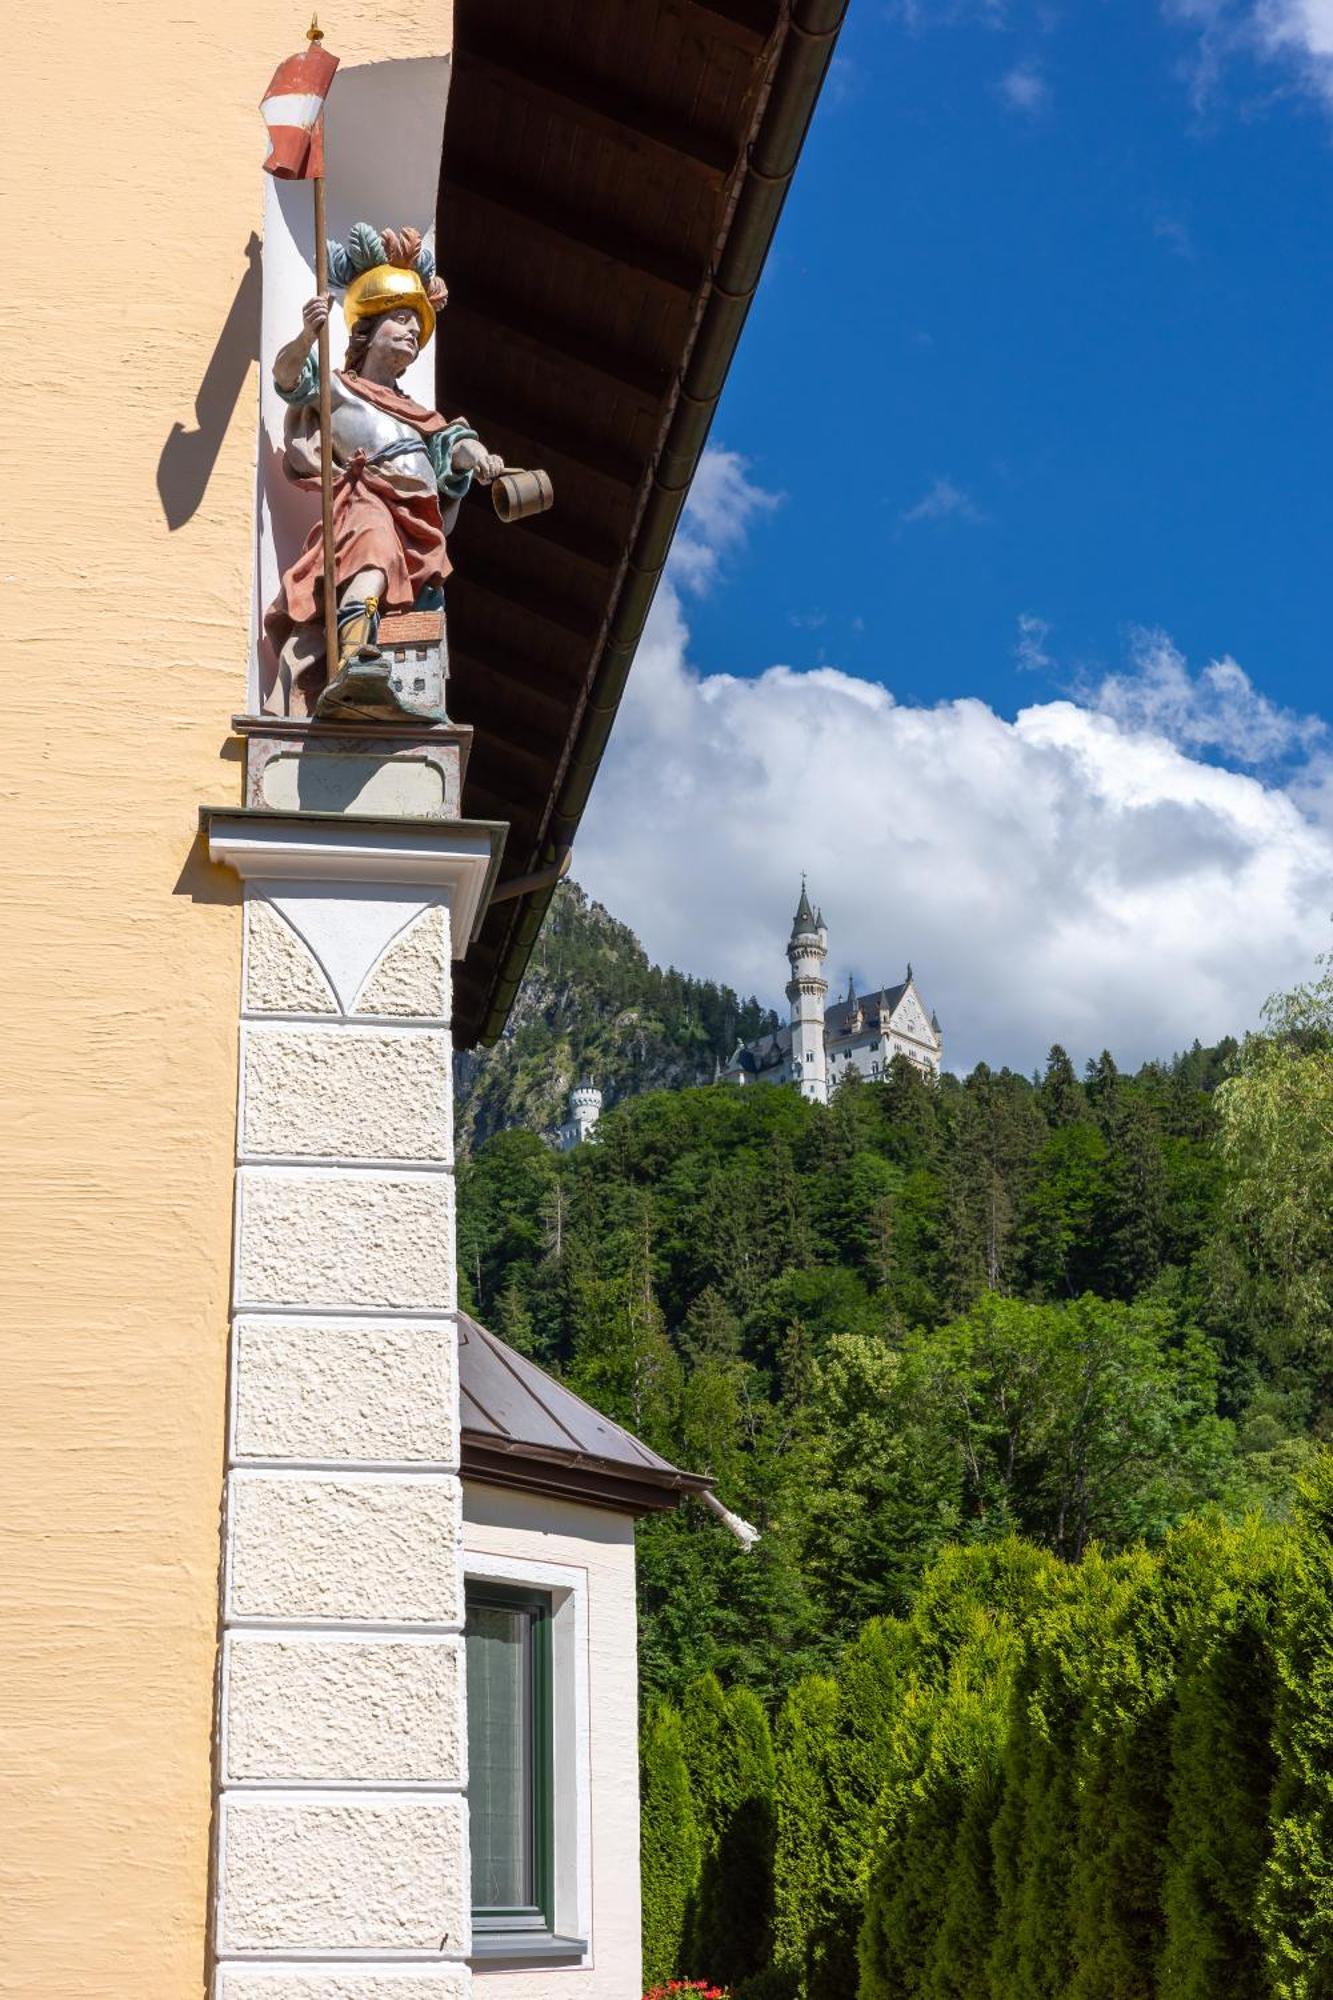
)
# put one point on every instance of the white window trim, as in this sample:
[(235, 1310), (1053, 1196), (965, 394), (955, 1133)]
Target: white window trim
[(567, 1586)]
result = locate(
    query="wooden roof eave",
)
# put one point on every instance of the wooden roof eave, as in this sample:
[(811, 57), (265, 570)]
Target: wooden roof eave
[(808, 34)]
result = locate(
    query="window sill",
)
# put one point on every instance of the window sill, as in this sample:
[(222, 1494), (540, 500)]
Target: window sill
[(493, 1949)]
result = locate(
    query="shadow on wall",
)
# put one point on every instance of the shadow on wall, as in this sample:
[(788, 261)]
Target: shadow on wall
[(188, 457), (202, 880)]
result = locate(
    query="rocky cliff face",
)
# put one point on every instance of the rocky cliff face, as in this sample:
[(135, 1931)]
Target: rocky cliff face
[(593, 1006)]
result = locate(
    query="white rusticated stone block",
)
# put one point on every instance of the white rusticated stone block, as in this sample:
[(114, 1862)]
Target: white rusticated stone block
[(308, 1709), (333, 1238), (413, 976), (343, 1873), (316, 1389), (342, 1982), (347, 1093), (282, 974), (378, 1550)]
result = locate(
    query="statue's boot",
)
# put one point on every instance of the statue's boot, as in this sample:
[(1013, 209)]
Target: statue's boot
[(361, 690)]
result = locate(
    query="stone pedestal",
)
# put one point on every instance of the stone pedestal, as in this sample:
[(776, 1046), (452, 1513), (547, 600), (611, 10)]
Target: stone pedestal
[(342, 1859), (393, 770)]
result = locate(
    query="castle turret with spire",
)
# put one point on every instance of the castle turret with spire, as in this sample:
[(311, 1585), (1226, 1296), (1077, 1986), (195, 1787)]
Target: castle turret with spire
[(823, 1043), (807, 990)]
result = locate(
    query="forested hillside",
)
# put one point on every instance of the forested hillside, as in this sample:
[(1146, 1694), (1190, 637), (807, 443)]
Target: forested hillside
[(1018, 1378), (593, 1006)]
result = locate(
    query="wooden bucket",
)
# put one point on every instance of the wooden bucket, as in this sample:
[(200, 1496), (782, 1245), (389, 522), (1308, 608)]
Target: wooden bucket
[(516, 496)]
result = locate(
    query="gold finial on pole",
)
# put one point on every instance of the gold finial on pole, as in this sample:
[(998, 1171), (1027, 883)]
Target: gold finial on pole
[(314, 33)]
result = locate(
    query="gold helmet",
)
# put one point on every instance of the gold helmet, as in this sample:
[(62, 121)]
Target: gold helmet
[(384, 288)]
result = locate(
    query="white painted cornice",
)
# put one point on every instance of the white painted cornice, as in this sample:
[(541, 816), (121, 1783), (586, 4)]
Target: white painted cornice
[(462, 857)]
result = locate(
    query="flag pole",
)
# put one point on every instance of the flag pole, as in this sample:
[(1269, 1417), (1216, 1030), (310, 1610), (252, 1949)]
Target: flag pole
[(316, 34)]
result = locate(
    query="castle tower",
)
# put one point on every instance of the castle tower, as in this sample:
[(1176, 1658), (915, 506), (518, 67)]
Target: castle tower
[(585, 1108), (807, 991)]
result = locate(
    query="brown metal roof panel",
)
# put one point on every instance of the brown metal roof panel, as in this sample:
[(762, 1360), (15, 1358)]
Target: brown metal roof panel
[(519, 1402)]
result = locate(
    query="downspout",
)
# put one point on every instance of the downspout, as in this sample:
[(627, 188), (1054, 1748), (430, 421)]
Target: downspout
[(744, 1533), (807, 50)]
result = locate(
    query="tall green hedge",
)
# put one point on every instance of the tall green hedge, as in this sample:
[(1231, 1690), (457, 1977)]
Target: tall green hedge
[(1297, 1895), (834, 1747), (1226, 1592), (729, 1755), (808, 1829), (1103, 1781), (670, 1844)]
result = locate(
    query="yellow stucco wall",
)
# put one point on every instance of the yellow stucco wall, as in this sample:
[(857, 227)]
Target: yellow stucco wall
[(130, 181)]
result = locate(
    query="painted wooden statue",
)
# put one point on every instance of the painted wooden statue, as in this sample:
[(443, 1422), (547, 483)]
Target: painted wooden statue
[(399, 474)]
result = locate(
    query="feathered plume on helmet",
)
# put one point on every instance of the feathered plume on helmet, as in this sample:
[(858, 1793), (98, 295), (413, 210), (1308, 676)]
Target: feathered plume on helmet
[(381, 269)]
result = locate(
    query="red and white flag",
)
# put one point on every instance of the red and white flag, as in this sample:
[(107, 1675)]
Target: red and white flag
[(293, 110)]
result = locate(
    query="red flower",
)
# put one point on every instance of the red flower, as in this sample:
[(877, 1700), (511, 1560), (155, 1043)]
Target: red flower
[(699, 1988)]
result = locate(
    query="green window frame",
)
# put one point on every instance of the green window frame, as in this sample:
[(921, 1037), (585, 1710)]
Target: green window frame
[(510, 1762)]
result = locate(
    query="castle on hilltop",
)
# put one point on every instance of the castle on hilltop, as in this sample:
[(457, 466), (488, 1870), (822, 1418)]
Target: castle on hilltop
[(823, 1043)]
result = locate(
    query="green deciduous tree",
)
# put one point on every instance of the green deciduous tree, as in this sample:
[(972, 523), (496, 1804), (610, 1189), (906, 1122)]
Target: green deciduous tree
[(1276, 1132), (1072, 1422)]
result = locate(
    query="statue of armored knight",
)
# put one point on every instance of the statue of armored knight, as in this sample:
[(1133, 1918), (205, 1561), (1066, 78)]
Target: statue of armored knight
[(400, 472)]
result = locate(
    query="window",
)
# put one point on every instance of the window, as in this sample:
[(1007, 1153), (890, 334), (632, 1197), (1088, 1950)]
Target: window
[(523, 1799), (508, 1642)]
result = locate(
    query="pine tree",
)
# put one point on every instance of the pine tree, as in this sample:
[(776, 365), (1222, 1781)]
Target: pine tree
[(1062, 1097), (623, 1360), (737, 1900), (1031, 1956), (513, 1321)]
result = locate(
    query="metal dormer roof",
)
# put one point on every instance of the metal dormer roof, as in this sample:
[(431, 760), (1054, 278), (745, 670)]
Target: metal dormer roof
[(522, 1428)]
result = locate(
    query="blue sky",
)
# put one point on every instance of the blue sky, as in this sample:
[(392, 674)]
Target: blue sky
[(1046, 334), (1004, 605)]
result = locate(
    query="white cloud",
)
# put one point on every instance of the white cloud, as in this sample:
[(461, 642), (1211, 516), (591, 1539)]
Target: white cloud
[(1025, 89), (1030, 646), (943, 500), (1295, 33), (723, 502), (921, 14), (1219, 709), (1071, 875)]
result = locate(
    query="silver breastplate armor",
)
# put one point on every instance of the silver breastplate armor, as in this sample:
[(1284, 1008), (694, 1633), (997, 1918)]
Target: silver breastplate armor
[(359, 426)]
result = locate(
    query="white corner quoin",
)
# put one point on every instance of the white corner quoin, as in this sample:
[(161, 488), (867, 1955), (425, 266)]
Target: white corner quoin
[(342, 1856)]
